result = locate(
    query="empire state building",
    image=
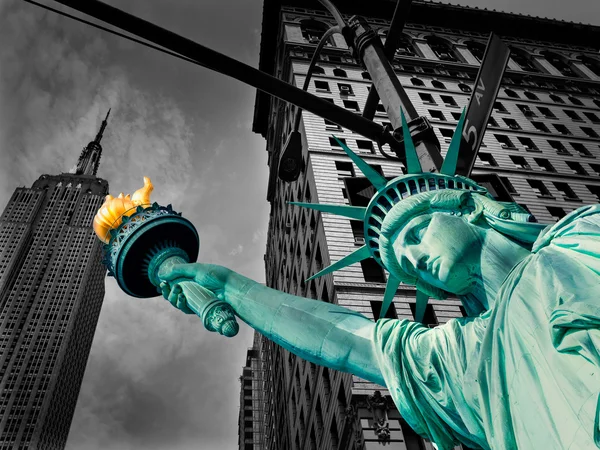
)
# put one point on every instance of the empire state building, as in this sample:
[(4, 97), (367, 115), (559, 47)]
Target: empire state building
[(51, 292)]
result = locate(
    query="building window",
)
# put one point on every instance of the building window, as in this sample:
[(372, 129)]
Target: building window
[(358, 231), (417, 82), (557, 213), (526, 110), (405, 47), (576, 168), (562, 129), (487, 159), (595, 190), (491, 121), (510, 93), (556, 98), (390, 313), (337, 72), (427, 98), (441, 48), (592, 117), (539, 188), (446, 133), (429, 319), (560, 62), (559, 147), (573, 115), (512, 124), (351, 104), (546, 112), (365, 75), (437, 115), (380, 108), (321, 86), (334, 143), (509, 186), (595, 168), (545, 164), (372, 271), (575, 101), (566, 191), (438, 84), (522, 59), (528, 144), (318, 70), (313, 31), (589, 132), (448, 100), (345, 89), (344, 169), (504, 140), (477, 49), (365, 146), (590, 63), (530, 95), (465, 87), (499, 107), (581, 149), (540, 126), (520, 162), (456, 115)]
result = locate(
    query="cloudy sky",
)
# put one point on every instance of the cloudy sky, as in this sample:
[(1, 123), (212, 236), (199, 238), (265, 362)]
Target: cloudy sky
[(155, 378)]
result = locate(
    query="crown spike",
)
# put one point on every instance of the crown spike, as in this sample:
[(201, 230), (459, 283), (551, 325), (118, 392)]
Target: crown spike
[(352, 212), (390, 290), (421, 306), (354, 257), (413, 164), (372, 175), (449, 165)]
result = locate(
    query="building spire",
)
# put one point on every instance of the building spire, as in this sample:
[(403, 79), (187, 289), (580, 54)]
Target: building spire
[(89, 160), (102, 128)]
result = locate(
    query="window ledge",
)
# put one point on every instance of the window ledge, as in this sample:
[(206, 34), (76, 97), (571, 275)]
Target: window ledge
[(549, 197), (572, 199)]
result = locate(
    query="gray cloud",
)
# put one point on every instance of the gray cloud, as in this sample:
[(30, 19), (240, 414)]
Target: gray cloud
[(155, 378)]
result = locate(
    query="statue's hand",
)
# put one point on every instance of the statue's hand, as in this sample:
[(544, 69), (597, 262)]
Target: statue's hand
[(210, 276)]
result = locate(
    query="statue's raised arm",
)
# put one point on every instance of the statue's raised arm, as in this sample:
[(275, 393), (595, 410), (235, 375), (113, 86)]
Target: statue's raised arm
[(522, 372)]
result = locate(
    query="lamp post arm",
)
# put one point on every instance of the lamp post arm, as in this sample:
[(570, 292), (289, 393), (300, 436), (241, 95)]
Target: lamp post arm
[(218, 62)]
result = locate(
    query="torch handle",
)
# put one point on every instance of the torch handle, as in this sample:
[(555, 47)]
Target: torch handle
[(216, 314)]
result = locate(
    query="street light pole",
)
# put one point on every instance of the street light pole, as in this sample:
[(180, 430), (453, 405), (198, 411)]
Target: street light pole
[(369, 49)]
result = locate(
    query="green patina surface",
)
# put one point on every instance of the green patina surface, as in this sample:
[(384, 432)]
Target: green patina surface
[(521, 372)]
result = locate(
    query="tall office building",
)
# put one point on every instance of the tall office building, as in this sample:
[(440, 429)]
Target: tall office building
[(51, 292), (542, 141)]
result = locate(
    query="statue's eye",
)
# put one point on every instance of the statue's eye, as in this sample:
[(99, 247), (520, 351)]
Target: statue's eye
[(417, 233)]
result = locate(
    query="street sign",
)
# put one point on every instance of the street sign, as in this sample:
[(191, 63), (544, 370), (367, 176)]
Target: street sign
[(482, 101)]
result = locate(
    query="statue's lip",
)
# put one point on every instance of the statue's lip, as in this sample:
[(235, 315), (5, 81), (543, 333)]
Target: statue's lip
[(432, 267)]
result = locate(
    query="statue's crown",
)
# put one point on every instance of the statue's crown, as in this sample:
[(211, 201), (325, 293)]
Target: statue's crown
[(389, 194)]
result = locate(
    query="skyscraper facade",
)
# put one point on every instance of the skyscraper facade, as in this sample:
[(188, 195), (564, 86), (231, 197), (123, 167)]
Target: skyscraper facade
[(542, 141), (51, 292)]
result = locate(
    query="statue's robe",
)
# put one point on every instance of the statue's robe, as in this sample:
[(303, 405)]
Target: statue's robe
[(526, 373)]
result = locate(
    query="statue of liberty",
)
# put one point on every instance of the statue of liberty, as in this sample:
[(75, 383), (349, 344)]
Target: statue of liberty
[(521, 372)]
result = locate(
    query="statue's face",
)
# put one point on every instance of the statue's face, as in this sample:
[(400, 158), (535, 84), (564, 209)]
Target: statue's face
[(441, 249)]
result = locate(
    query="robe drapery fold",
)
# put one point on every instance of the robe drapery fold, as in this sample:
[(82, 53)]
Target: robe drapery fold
[(523, 375)]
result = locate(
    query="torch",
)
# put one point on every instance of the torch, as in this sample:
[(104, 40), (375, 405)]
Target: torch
[(143, 240)]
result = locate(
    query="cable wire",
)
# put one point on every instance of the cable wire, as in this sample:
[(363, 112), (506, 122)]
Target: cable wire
[(313, 62)]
